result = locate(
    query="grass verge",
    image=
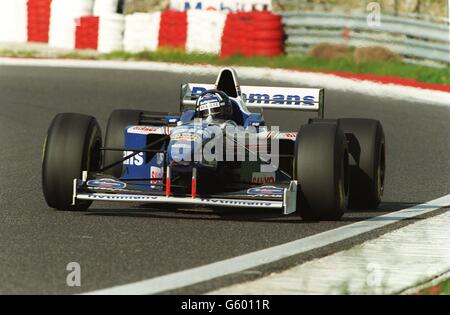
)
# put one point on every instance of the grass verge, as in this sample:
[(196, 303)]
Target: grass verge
[(442, 288), (305, 63)]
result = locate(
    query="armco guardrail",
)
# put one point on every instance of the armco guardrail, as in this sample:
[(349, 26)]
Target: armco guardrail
[(411, 38)]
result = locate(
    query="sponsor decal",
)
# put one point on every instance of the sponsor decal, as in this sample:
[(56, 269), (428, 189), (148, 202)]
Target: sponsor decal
[(280, 99), (106, 183), (123, 197), (185, 137), (155, 172), (209, 105), (290, 135), (143, 130), (223, 5), (236, 202), (136, 160), (266, 191), (263, 178), (301, 97)]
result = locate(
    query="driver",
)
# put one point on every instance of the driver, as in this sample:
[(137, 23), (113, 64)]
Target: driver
[(214, 105)]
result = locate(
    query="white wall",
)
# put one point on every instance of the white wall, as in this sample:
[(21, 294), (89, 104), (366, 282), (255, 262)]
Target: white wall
[(13, 21)]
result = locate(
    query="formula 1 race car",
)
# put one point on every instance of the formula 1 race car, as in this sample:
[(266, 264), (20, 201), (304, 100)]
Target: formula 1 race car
[(167, 158)]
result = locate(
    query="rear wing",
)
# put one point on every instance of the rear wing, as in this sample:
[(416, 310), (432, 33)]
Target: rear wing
[(303, 99)]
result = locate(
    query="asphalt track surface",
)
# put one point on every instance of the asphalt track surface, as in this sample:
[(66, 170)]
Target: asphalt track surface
[(118, 243)]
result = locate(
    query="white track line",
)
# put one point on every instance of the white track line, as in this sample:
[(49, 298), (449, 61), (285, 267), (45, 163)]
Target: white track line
[(240, 263), (389, 264), (328, 81)]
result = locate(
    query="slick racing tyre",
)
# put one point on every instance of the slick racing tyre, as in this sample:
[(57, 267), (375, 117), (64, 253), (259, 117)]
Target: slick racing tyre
[(321, 169), (115, 133), (72, 145), (366, 145), (115, 137)]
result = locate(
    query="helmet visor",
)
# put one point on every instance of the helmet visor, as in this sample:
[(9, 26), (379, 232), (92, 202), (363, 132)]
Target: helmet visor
[(214, 106)]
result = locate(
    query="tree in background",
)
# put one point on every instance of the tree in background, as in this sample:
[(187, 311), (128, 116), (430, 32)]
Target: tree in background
[(425, 7), (145, 5)]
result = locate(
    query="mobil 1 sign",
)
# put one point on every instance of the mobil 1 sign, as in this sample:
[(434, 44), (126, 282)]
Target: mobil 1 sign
[(221, 5)]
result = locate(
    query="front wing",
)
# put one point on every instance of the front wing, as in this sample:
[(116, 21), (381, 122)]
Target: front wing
[(285, 200)]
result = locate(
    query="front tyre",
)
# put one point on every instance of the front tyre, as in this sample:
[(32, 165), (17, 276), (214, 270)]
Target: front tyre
[(72, 145), (321, 168)]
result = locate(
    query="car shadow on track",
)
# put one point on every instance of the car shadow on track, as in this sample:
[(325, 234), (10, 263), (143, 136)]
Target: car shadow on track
[(164, 211)]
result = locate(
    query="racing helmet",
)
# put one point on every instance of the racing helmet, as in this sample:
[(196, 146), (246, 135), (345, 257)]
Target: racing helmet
[(215, 104)]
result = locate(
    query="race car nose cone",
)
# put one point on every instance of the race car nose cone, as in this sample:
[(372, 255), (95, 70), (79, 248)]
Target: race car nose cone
[(185, 149), (181, 153)]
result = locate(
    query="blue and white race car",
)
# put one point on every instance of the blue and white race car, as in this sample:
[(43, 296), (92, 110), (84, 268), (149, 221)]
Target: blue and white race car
[(216, 152)]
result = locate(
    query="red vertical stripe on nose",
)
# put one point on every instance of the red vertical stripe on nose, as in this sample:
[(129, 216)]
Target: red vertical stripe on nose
[(168, 182)]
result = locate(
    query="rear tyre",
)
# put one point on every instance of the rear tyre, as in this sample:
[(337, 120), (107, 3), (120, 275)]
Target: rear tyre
[(115, 133), (366, 146), (321, 168), (72, 145), (115, 137)]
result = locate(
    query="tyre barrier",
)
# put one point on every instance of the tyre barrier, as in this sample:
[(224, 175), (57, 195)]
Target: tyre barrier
[(13, 21), (141, 32), (104, 33), (102, 7), (204, 31), (258, 33), (110, 33), (234, 34), (93, 24), (38, 20), (86, 36), (173, 29), (63, 18)]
